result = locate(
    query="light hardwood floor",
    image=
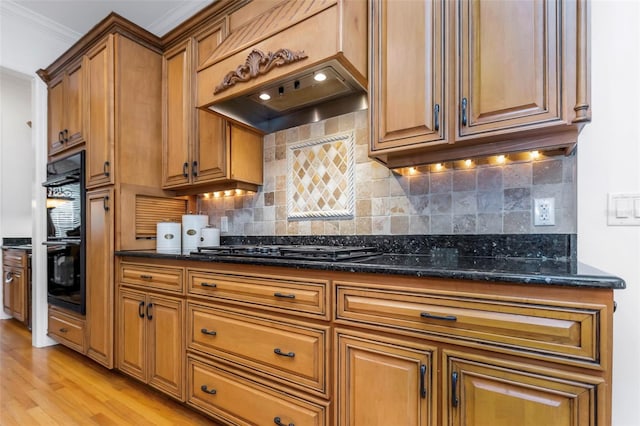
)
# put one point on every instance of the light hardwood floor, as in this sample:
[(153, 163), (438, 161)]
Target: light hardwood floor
[(57, 386)]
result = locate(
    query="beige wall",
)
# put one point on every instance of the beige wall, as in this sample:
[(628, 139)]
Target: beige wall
[(608, 158), (16, 154)]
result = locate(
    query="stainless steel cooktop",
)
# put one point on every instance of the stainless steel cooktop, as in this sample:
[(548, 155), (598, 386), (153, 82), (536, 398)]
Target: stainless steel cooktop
[(298, 252)]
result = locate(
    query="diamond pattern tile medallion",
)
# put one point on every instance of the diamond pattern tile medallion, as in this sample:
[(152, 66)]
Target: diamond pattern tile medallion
[(320, 181)]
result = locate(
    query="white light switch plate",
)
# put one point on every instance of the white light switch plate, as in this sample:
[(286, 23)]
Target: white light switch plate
[(623, 209)]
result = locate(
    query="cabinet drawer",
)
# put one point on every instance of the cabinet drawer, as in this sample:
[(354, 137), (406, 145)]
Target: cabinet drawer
[(238, 401), (67, 330), (294, 353), (285, 295), (152, 276), (508, 323), (14, 257)]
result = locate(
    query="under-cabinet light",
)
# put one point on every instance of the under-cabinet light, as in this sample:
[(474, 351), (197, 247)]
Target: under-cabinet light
[(216, 194), (319, 76), (265, 96), (535, 155), (468, 163)]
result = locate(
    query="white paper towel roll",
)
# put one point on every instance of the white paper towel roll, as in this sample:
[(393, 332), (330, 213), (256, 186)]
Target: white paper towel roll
[(210, 237), (192, 225), (168, 237)]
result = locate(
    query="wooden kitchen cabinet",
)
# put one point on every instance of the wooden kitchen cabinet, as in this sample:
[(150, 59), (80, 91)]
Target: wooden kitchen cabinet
[(381, 349), (123, 114), (381, 381), (118, 66), (511, 78), (481, 391), (66, 109), (15, 284), (99, 278), (487, 77), (234, 399), (407, 91), (151, 339), (270, 347), (68, 328), (201, 149), (507, 354), (100, 121)]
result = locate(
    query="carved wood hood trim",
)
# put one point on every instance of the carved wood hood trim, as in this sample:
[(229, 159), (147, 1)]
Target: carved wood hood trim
[(265, 25), (258, 63)]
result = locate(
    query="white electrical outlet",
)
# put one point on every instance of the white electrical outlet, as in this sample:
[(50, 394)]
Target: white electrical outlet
[(224, 224), (544, 212)]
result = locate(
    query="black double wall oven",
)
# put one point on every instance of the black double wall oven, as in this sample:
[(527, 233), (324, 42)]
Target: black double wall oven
[(66, 233)]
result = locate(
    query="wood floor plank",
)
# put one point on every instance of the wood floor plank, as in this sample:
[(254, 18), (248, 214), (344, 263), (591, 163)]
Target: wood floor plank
[(57, 386)]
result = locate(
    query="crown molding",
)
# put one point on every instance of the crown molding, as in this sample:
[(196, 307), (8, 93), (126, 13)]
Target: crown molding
[(177, 15), (11, 9)]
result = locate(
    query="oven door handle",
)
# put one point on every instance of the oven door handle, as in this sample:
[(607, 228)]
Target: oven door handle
[(61, 243)]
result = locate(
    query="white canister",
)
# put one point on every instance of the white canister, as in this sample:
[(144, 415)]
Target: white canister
[(210, 237), (168, 237), (192, 225)]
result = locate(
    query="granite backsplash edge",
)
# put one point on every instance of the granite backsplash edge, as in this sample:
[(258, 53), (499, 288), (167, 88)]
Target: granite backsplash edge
[(538, 246)]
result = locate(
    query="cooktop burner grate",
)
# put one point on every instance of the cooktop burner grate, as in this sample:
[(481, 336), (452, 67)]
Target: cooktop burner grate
[(297, 252)]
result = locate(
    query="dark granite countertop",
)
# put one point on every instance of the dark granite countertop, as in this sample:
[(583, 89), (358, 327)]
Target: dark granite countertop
[(543, 271)]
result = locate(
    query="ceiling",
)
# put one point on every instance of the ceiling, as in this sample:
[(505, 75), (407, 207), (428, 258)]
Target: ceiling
[(79, 16)]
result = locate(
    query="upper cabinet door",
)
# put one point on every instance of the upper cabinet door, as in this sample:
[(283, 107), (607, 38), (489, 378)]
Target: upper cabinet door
[(56, 115), (176, 93), (406, 93), (74, 104), (194, 141), (209, 145), (100, 167), (509, 72), (66, 109)]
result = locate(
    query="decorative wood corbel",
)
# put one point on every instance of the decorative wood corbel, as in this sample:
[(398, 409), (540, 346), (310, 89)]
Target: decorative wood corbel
[(257, 64)]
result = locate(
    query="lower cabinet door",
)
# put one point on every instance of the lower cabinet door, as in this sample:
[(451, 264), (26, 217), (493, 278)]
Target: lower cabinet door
[(480, 393), (166, 343), (131, 333), (383, 382), (100, 227), (151, 340), (237, 401)]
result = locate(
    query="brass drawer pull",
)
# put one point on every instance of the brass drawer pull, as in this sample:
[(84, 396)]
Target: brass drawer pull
[(427, 315), (146, 277), (208, 332), (278, 421), (211, 285), (277, 351), (285, 296), (205, 389), (63, 330)]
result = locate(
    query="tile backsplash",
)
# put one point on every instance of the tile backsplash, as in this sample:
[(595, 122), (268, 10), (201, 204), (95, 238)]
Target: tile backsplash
[(481, 199)]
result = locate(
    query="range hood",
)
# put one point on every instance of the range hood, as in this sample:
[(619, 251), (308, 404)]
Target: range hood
[(299, 62)]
